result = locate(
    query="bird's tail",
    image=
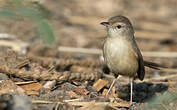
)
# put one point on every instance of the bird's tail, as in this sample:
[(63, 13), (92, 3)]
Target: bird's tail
[(153, 65)]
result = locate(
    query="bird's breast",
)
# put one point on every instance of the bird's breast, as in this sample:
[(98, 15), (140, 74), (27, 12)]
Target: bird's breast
[(120, 56)]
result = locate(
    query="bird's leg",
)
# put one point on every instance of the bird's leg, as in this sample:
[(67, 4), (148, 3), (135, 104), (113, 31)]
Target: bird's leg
[(131, 89), (110, 88)]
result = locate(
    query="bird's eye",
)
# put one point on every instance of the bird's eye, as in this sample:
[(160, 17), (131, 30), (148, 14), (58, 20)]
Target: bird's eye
[(119, 26)]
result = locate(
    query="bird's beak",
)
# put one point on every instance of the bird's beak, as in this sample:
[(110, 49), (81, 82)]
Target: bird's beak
[(105, 24)]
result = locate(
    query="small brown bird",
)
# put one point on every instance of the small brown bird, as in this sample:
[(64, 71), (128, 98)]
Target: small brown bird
[(121, 53)]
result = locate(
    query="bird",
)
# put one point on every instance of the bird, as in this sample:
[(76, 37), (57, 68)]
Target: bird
[(121, 52)]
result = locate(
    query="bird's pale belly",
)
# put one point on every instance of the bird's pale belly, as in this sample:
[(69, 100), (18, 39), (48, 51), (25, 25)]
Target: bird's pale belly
[(120, 57)]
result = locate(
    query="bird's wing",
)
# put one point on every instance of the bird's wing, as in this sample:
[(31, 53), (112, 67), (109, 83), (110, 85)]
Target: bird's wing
[(141, 70)]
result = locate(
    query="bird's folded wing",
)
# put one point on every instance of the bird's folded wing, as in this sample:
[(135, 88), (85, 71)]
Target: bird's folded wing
[(141, 70)]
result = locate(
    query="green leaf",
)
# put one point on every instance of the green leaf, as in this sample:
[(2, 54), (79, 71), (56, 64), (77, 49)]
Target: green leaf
[(46, 32), (30, 13), (7, 13), (15, 1)]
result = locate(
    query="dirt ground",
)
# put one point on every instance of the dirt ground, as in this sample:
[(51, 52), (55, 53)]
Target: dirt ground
[(70, 74)]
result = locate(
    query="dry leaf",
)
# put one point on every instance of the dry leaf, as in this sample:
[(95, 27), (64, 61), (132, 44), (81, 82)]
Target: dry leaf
[(31, 88), (100, 84)]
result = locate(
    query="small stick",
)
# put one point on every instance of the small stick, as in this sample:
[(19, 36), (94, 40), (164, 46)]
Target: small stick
[(21, 83), (162, 77), (79, 50), (22, 64), (99, 52), (119, 104), (73, 100)]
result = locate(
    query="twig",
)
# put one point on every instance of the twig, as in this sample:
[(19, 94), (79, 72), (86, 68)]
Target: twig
[(161, 82), (56, 107), (7, 36), (119, 104), (154, 35), (99, 52), (42, 101), (26, 82), (73, 100), (169, 69), (22, 64), (160, 54), (161, 78), (15, 45), (151, 80), (80, 50)]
